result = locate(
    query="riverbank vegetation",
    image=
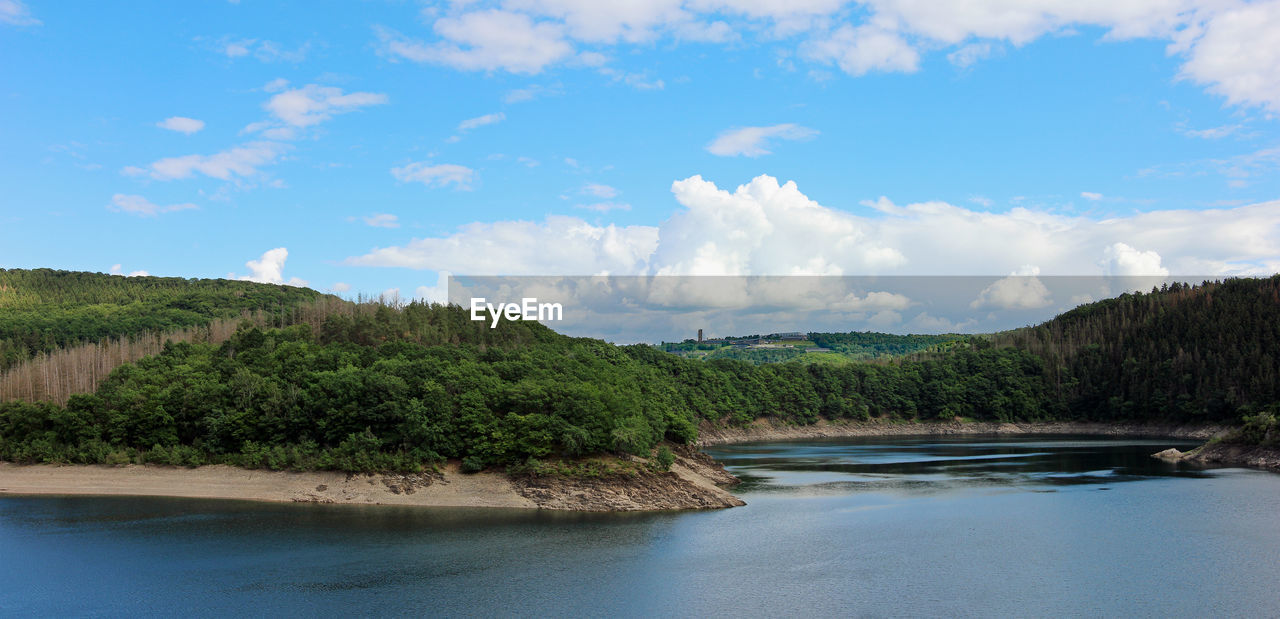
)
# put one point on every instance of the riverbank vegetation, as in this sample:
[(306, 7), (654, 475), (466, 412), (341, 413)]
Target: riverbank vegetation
[(366, 387)]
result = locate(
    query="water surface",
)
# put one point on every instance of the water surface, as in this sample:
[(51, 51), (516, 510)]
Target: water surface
[(888, 526)]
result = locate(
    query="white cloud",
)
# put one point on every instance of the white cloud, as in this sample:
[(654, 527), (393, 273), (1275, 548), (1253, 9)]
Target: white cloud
[(559, 245), (439, 293), (864, 49), (313, 104), (485, 41), (15, 13), (1212, 133), (269, 269), (530, 93), (181, 124), (605, 207), (1237, 54), (1122, 260), (632, 21), (438, 175), (599, 191), (1091, 196), (480, 121), (639, 81), (341, 287), (382, 220), (966, 56), (767, 228), (263, 50), (1231, 47), (116, 270), (754, 141), (1021, 290), (142, 207), (237, 162)]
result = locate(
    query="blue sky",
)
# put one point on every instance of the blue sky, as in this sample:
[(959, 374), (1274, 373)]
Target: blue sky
[(379, 143)]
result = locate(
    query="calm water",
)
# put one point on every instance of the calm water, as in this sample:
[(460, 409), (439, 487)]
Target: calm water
[(891, 527)]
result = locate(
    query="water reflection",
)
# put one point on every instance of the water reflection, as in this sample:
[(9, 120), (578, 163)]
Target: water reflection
[(887, 527), (928, 465)]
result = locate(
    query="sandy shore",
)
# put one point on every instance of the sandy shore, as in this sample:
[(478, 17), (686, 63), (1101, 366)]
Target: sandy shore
[(691, 484), (766, 430), (227, 482)]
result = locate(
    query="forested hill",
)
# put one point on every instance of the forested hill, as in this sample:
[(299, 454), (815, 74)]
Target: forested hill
[(362, 387), (1210, 351), (42, 310)]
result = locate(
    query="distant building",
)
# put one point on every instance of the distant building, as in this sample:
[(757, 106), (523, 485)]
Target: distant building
[(699, 335), (793, 335)]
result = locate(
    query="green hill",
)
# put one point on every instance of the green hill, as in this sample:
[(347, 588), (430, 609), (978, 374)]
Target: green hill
[(1205, 352), (42, 310), (362, 387)]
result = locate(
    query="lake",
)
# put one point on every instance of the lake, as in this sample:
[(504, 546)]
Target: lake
[(886, 526)]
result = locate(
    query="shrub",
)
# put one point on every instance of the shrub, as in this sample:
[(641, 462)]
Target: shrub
[(665, 458)]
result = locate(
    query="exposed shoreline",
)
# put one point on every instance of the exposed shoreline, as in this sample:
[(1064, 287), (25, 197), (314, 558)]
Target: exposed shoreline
[(766, 430), (1222, 454), (693, 483)]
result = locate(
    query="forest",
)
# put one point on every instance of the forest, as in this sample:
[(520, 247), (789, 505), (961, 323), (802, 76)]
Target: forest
[(365, 387), (43, 310)]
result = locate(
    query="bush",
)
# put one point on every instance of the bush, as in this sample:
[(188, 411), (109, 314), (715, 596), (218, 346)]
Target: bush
[(665, 458), (472, 464)]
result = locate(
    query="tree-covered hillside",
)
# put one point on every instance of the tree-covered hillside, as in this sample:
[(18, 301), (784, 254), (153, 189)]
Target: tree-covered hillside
[(372, 387), (871, 345), (1188, 352), (42, 310)]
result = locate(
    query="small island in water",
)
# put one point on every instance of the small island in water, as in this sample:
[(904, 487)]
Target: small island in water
[(231, 389)]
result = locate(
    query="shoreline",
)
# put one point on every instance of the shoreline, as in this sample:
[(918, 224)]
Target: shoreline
[(694, 482), (767, 430)]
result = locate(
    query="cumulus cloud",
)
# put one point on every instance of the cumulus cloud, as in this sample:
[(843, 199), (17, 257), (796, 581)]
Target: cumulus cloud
[(142, 207), (754, 141), (438, 175), (181, 124), (864, 49), (269, 269), (1091, 196), (1123, 260), (1021, 290), (1237, 54), (340, 287), (485, 41), (767, 228), (313, 104), (15, 13), (1228, 46), (560, 245)]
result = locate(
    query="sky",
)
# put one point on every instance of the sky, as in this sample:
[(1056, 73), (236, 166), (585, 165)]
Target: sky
[(366, 147)]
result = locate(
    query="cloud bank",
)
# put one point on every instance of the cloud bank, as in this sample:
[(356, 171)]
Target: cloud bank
[(768, 228)]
